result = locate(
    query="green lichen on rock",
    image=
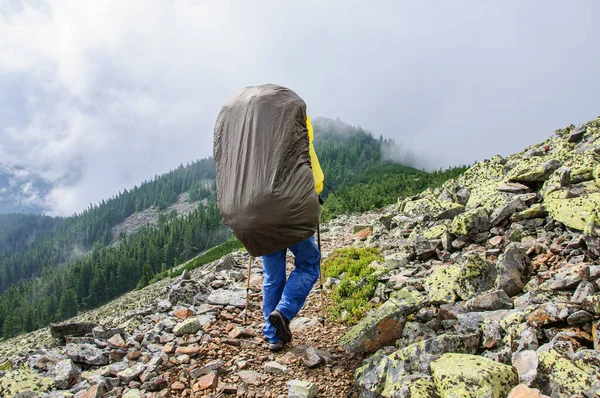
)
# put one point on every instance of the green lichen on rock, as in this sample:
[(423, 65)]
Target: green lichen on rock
[(24, 380), (441, 283), (432, 207), (560, 377), (422, 388), (576, 212), (535, 211), (384, 325), (471, 222), (389, 375), (466, 376), (435, 231), (476, 275)]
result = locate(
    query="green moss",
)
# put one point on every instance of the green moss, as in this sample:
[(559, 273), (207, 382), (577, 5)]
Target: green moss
[(358, 284), (465, 376), (5, 366)]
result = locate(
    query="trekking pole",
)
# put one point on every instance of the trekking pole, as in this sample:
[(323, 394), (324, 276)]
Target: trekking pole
[(321, 275), (247, 291)]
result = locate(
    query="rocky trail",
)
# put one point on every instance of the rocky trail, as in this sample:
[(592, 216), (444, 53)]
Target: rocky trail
[(187, 337), (488, 287)]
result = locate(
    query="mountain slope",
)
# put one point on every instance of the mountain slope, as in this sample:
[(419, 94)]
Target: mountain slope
[(79, 265)]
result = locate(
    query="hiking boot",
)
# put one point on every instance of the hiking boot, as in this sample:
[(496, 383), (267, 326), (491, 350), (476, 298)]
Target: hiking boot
[(274, 347), (281, 325)]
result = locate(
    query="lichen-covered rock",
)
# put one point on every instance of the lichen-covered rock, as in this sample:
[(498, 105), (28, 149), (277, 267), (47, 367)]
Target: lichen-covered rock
[(192, 325), (66, 374), (302, 389), (530, 170), (86, 353), (384, 325), (514, 268), (476, 275), (471, 222), (560, 377), (386, 374), (440, 284), (23, 380), (432, 207), (465, 376), (575, 212)]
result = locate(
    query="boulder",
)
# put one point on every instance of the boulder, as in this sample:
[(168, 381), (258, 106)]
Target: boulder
[(384, 325), (24, 380), (490, 301), (514, 268), (522, 391), (66, 374), (560, 377), (526, 363), (464, 375), (62, 330), (87, 354), (471, 222)]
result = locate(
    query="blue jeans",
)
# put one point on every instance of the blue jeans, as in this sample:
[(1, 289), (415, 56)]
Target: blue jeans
[(288, 297)]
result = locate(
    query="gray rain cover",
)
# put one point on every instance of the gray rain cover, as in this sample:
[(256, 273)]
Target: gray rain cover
[(265, 184)]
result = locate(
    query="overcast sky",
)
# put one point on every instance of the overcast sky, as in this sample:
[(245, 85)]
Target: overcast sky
[(98, 95)]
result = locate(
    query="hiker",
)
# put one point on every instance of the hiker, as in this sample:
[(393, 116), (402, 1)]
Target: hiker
[(268, 182)]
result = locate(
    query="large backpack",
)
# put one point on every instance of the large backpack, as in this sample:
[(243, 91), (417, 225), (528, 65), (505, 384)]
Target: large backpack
[(265, 184)]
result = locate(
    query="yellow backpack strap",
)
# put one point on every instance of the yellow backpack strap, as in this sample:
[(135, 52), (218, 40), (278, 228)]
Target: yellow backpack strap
[(314, 161)]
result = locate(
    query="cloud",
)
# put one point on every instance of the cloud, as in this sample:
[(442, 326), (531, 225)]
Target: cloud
[(98, 98)]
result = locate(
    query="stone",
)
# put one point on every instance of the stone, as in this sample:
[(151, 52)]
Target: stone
[(492, 334), (505, 211), (208, 381), (579, 317), (522, 391), (226, 297), (526, 363), (62, 330), (183, 312), (190, 350), (66, 374), (226, 263), (379, 374), (130, 374), (310, 358), (87, 354), (117, 341), (96, 391), (206, 369), (192, 325), (384, 325), (464, 375), (439, 285), (302, 389), (514, 268), (275, 368), (558, 376), (532, 171), (476, 276), (577, 133), (490, 301), (584, 289), (536, 210), (571, 277), (132, 393), (164, 306), (241, 332), (251, 377), (470, 222)]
